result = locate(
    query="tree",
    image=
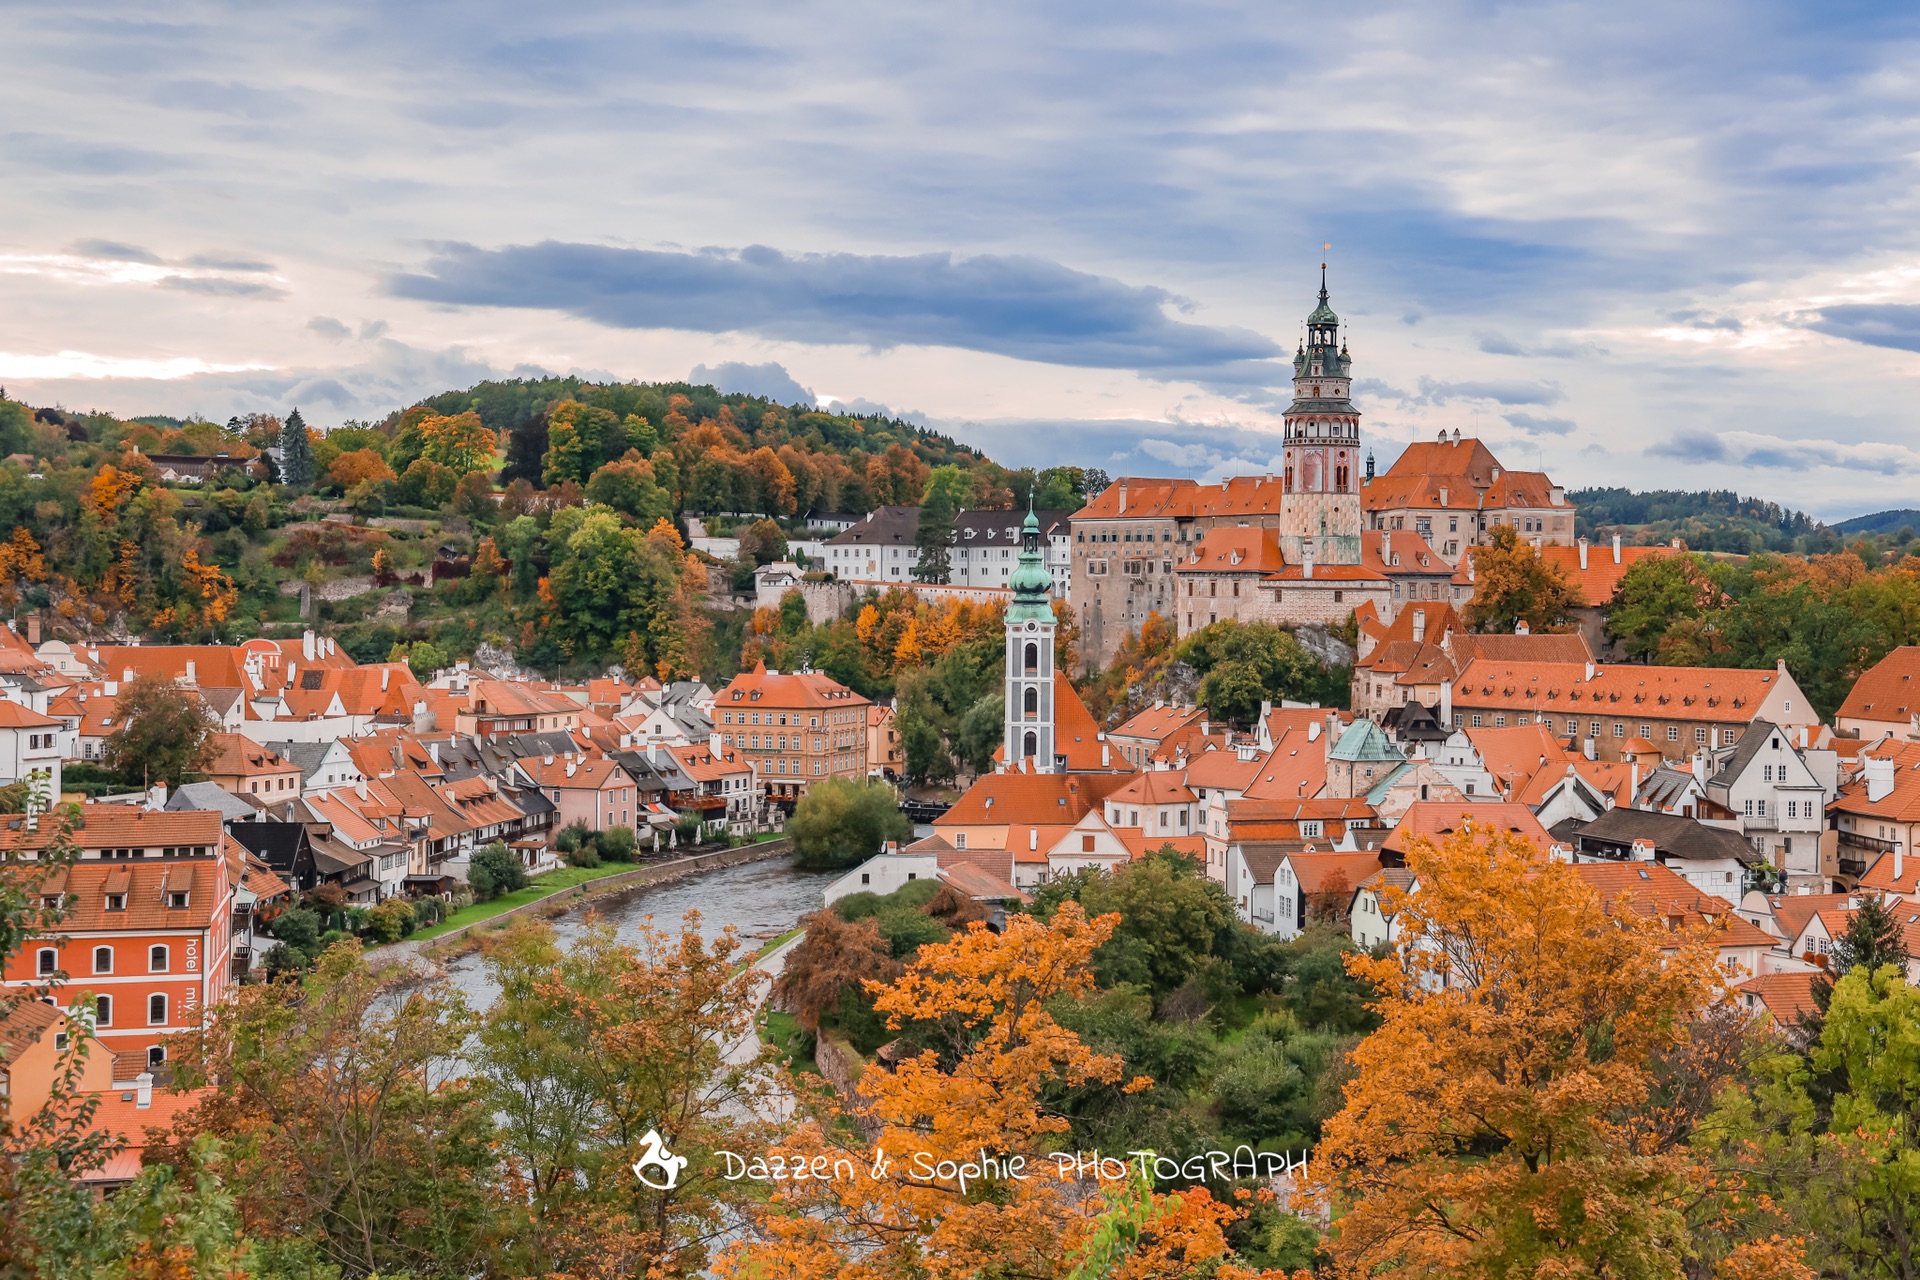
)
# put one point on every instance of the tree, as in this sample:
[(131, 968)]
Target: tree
[(1171, 919), (1512, 584), (839, 823), (1875, 937), (1506, 1118), (935, 536), (587, 1051), (423, 657), (578, 440), (1243, 664), (499, 867), (1656, 593), (426, 483), (358, 466), (628, 487), (460, 443), (296, 452), (164, 733), (324, 1089), (830, 965), (526, 449), (763, 542)]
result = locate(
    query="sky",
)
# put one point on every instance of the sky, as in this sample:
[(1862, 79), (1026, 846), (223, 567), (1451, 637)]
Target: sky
[(1657, 246)]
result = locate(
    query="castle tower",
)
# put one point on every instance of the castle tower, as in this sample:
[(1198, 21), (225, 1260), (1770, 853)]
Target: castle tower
[(1029, 725), (1320, 498)]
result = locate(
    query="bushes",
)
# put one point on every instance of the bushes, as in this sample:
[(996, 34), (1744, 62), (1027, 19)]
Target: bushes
[(841, 824), (615, 844), (391, 921)]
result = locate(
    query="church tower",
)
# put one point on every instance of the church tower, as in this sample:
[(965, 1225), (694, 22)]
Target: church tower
[(1030, 623), (1320, 499)]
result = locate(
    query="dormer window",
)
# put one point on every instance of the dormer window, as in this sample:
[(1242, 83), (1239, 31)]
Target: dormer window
[(116, 902), (176, 900)]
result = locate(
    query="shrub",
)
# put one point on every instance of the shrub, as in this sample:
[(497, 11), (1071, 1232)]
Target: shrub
[(502, 866), (428, 911), (582, 855), (571, 838), (391, 921), (841, 824), (283, 961), (615, 844), (299, 928), (480, 880)]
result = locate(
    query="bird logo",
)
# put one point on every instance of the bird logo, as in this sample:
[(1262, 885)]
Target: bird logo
[(654, 1155)]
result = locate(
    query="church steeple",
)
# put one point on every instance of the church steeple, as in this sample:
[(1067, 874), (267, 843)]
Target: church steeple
[(1321, 479), (1029, 734)]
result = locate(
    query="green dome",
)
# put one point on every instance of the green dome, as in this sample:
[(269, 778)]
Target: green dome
[(1032, 584)]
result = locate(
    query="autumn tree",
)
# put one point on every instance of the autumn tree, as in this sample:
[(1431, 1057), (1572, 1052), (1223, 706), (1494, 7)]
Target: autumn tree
[(1513, 584), (460, 442), (333, 1099), (358, 466), (832, 961), (1507, 1117), (296, 452), (164, 733), (1653, 595)]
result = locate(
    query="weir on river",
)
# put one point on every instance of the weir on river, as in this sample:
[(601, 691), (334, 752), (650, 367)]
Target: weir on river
[(759, 899)]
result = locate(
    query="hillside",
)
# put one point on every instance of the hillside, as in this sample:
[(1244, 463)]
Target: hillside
[(546, 519), (1706, 520), (1881, 522)]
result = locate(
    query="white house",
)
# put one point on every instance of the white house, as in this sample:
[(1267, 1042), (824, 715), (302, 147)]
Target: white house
[(883, 874), (31, 748), (1089, 844), (1780, 793)]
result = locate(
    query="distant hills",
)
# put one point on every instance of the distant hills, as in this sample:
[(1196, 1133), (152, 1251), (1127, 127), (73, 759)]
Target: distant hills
[(1881, 522)]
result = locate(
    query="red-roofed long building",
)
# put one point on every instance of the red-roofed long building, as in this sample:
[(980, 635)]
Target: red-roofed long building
[(794, 729)]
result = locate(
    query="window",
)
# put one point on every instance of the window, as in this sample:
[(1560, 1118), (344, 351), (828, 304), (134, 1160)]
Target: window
[(48, 962), (103, 959), (1726, 737), (156, 1010), (960, 840), (1673, 733), (1646, 731), (103, 1011), (1593, 728), (176, 900), (1086, 844), (1030, 702), (156, 1055), (1700, 737), (1500, 722), (156, 959), (1619, 730), (116, 902), (866, 878), (1476, 720)]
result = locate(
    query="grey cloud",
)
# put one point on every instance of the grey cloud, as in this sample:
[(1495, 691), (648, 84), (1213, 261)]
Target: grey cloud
[(1691, 446), (1534, 425), (859, 406), (1752, 449), (227, 262), (1883, 324), (770, 380), (1434, 391), (114, 251), (372, 329), (216, 288), (1499, 344), (329, 328), (1025, 307)]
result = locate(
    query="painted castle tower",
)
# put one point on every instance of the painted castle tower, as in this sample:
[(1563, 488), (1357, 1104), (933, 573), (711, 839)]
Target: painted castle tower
[(1030, 624), (1320, 515)]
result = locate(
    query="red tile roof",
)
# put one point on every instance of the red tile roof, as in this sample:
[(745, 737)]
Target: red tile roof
[(1601, 578), (1888, 690), (1729, 694), (1784, 995), (809, 689), (1029, 799), (1234, 550), (1437, 819)]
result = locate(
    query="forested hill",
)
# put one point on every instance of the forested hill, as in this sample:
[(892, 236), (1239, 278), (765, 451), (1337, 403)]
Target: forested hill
[(1706, 520), (837, 462)]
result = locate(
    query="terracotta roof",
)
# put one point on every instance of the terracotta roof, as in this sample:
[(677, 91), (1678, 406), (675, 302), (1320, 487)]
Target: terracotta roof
[(1729, 694), (595, 773), (1653, 889), (762, 688), (493, 698), (1132, 497), (1523, 489), (1029, 799), (1902, 804), (214, 666), (1330, 573), (22, 1025), (1141, 843), (1329, 872), (1607, 777), (1889, 690), (1433, 619), (1436, 819), (1784, 995), (237, 754), (1601, 578), (1156, 723), (1221, 770), (1880, 875), (1401, 553), (15, 716), (147, 884), (1543, 646), (115, 826), (1234, 550), (1154, 786), (1296, 768), (1793, 911), (704, 765), (1514, 755), (1466, 458)]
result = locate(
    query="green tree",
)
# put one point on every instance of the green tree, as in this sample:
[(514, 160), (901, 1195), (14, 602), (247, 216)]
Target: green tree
[(763, 542), (425, 483), (164, 735), (613, 587), (580, 439), (1656, 593), (840, 823), (296, 453), (1175, 923), (628, 487), (981, 731), (501, 867), (423, 657), (935, 536), (927, 759), (1242, 664)]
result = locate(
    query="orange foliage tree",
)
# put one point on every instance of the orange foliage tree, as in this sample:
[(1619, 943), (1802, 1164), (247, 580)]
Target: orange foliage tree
[(357, 466), (1512, 1114)]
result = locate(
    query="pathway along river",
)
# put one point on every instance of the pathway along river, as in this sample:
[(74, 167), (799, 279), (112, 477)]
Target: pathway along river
[(759, 899)]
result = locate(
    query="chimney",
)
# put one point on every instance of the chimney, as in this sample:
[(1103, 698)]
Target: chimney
[(1583, 555), (1333, 725), (713, 745), (1633, 787), (1899, 862), (1616, 548), (1033, 839), (433, 752), (653, 756), (549, 759), (109, 688), (293, 669), (1419, 625), (1386, 543), (126, 675), (1123, 497), (385, 672), (573, 766), (360, 787), (1879, 773), (1306, 564), (306, 646), (1446, 703), (191, 677), (1590, 668), (1313, 731), (33, 629), (157, 796), (1443, 495), (143, 1090)]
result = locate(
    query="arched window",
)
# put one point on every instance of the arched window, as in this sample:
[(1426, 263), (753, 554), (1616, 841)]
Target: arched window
[(103, 959), (1033, 658), (49, 961), (1030, 702), (156, 1010), (103, 1011), (1032, 745)]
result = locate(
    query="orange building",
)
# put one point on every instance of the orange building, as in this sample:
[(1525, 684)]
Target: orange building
[(794, 729), (149, 907)]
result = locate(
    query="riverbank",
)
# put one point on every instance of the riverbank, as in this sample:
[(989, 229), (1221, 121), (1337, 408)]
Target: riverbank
[(563, 894)]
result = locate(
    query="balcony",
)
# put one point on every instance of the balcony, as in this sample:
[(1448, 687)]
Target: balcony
[(1858, 852)]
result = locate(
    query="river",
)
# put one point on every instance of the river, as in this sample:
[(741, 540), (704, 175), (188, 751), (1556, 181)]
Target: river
[(758, 899)]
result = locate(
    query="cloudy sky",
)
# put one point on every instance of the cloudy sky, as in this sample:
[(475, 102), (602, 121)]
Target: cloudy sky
[(1644, 244)]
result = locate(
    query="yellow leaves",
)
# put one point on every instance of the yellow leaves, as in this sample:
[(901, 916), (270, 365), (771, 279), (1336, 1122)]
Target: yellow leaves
[(866, 624), (210, 585), (664, 536), (109, 490), (461, 442)]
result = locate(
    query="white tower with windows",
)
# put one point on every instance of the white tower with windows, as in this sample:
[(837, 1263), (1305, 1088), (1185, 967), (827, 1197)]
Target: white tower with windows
[(1030, 626)]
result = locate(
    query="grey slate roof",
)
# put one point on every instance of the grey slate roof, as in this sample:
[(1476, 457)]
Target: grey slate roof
[(883, 527), (1663, 787), (307, 755), (1669, 834), (212, 796), (1743, 753)]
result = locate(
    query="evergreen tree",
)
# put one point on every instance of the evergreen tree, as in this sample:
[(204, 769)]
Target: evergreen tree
[(526, 448), (296, 452), (1874, 937), (935, 537)]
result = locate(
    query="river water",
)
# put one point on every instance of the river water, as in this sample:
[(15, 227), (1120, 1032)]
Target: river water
[(759, 900)]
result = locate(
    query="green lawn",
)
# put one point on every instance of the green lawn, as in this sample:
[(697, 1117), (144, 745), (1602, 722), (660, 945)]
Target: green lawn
[(544, 884)]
